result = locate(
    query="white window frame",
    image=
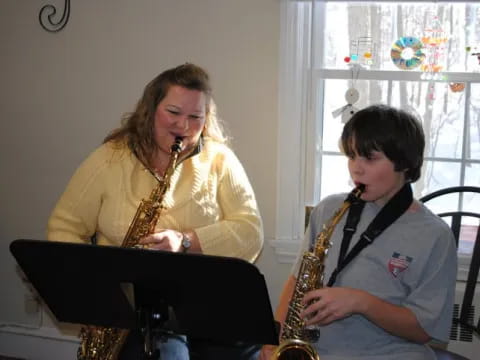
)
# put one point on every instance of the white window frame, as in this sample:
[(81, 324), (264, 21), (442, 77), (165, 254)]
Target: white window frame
[(297, 104)]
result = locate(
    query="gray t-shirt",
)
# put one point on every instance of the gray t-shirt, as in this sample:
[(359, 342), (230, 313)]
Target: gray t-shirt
[(413, 263)]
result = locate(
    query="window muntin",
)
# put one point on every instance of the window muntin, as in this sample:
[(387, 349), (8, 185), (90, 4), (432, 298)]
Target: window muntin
[(441, 111), (473, 137)]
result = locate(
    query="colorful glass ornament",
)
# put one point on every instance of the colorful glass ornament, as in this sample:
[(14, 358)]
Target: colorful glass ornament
[(457, 87), (406, 53), (434, 43)]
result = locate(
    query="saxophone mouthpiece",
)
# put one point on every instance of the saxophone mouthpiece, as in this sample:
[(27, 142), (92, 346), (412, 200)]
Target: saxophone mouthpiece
[(361, 187), (177, 145), (357, 192)]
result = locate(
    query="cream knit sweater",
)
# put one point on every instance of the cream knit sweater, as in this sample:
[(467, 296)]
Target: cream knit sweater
[(209, 193)]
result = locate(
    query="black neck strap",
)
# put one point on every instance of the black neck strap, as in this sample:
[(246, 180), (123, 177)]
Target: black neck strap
[(392, 210)]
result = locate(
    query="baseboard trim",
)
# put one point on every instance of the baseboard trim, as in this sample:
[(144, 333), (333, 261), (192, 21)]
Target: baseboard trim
[(43, 333), (37, 344)]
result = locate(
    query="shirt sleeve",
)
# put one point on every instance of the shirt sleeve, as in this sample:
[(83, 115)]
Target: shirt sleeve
[(74, 218), (432, 299), (239, 233)]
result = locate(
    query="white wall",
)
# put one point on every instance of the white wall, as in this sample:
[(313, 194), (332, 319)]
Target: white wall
[(61, 93)]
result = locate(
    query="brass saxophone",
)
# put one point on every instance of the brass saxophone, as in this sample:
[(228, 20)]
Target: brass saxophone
[(100, 343), (296, 337)]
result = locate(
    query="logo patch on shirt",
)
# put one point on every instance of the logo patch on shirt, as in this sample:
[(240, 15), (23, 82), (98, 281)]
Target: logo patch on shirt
[(398, 263)]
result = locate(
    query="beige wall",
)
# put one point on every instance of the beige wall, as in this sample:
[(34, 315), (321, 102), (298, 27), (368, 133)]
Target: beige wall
[(60, 94)]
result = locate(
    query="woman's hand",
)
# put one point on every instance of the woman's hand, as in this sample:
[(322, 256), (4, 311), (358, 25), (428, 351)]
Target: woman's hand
[(165, 239), (329, 304)]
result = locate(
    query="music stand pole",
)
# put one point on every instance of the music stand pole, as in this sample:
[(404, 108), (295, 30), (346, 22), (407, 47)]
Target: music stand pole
[(146, 318)]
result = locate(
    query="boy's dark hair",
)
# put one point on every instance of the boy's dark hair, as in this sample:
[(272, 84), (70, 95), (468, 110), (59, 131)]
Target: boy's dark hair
[(396, 133)]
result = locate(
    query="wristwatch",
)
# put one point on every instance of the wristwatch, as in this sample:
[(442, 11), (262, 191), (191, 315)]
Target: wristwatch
[(186, 242)]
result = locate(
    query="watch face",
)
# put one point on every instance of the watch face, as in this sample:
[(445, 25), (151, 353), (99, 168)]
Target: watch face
[(186, 243)]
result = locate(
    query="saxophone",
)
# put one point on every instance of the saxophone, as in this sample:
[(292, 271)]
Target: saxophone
[(296, 337), (100, 343)]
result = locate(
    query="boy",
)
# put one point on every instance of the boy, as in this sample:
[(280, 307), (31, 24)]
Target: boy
[(389, 296)]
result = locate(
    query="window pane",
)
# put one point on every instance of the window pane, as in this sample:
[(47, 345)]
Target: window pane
[(366, 32), (473, 148), (335, 176), (441, 111), (472, 178), (444, 203), (468, 230), (370, 91), (437, 175)]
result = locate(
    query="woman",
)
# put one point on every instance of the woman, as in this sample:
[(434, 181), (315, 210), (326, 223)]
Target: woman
[(209, 208)]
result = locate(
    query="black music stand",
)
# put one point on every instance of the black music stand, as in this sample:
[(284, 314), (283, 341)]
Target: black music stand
[(213, 299)]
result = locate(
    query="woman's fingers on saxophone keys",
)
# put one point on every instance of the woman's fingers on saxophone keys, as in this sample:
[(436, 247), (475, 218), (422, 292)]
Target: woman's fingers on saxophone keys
[(152, 241), (165, 239)]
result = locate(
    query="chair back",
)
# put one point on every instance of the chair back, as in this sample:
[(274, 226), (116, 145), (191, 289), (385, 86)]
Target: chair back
[(458, 226)]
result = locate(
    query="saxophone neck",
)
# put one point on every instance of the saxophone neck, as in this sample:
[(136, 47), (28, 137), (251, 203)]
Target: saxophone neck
[(323, 240), (148, 211), (175, 151)]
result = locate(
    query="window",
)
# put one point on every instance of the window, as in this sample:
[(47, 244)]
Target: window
[(422, 57)]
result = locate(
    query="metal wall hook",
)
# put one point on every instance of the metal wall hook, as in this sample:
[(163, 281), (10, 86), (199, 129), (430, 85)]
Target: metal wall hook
[(46, 14)]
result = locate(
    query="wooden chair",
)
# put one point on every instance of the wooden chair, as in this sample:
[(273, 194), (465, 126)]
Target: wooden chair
[(465, 319)]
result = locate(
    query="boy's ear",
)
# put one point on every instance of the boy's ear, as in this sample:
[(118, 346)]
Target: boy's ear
[(404, 171)]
